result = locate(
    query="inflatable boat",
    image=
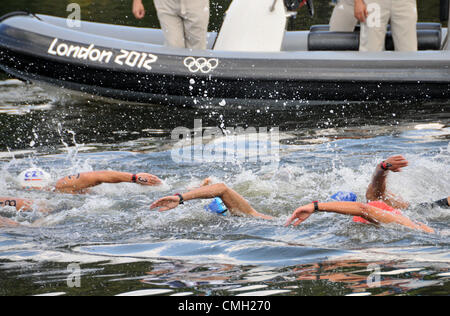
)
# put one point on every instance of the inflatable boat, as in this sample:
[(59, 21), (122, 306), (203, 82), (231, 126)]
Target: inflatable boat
[(132, 64)]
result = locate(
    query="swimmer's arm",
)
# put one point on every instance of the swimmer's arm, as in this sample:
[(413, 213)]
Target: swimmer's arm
[(23, 205), (370, 213), (5, 222), (19, 204), (234, 202), (80, 182), (377, 188)]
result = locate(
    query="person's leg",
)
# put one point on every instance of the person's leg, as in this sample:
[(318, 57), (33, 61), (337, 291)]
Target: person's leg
[(171, 23), (373, 31), (343, 17), (196, 20), (404, 25)]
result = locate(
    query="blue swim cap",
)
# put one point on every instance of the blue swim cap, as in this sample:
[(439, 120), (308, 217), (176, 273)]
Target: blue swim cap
[(217, 207), (344, 196)]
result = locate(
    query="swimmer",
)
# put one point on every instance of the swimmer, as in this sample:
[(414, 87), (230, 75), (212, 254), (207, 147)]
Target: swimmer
[(232, 201), (383, 207), (376, 211), (38, 179)]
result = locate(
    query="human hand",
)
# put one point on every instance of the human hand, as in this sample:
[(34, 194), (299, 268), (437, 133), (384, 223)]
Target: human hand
[(396, 163), (361, 12), (138, 9), (301, 215), (166, 204), (147, 179)]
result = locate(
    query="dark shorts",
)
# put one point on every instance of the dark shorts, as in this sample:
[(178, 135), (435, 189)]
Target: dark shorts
[(441, 203)]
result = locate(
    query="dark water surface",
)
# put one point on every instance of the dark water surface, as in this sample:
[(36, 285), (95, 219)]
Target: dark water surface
[(119, 11), (121, 246)]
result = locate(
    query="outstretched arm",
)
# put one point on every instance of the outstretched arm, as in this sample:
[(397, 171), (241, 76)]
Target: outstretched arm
[(23, 205), (19, 204), (82, 181), (5, 222), (234, 202), (377, 188), (370, 213)]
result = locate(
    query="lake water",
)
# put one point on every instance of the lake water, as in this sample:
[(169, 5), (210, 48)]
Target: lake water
[(121, 246)]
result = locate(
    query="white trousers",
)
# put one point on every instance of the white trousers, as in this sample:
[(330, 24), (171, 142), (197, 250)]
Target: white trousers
[(402, 15), (184, 22), (343, 17)]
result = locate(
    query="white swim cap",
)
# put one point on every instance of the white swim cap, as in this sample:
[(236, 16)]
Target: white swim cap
[(34, 178)]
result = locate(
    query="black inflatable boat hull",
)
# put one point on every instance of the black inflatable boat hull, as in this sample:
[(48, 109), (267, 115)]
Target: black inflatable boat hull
[(130, 64)]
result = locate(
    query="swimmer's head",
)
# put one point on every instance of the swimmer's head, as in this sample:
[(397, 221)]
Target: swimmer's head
[(217, 207), (342, 196), (34, 178)]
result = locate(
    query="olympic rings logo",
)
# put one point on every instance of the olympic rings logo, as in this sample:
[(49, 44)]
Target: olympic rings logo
[(201, 64)]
